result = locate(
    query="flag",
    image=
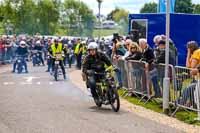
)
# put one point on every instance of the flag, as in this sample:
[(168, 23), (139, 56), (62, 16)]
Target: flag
[(162, 6)]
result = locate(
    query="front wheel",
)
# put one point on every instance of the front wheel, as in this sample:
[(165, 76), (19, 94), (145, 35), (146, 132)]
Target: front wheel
[(114, 100), (56, 73), (98, 102)]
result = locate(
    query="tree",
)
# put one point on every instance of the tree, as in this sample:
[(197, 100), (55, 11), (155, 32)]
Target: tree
[(121, 17), (111, 14), (149, 8), (196, 9), (120, 14), (80, 16), (183, 6)]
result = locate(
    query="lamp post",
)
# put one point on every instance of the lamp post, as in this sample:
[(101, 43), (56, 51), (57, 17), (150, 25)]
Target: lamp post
[(166, 79), (99, 6)]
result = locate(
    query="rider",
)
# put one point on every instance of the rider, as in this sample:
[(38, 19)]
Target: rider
[(39, 48), (22, 50), (58, 48), (95, 61)]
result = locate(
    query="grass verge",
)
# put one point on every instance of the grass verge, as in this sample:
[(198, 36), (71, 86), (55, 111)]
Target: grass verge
[(104, 32), (182, 115)]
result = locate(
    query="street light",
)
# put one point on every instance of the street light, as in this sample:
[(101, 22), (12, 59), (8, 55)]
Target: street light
[(166, 79), (99, 6)]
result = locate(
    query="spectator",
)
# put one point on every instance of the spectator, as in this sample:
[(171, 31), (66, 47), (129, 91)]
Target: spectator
[(193, 62), (136, 71), (135, 52), (147, 51)]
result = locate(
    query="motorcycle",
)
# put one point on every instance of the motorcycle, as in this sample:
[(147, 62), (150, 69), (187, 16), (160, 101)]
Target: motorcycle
[(106, 90), (36, 57), (20, 63), (57, 70)]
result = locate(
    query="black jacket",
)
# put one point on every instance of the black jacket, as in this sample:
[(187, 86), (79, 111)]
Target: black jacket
[(160, 57), (148, 55), (134, 56), (96, 63), (22, 51)]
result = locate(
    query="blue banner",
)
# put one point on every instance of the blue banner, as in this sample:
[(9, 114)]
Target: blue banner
[(162, 6)]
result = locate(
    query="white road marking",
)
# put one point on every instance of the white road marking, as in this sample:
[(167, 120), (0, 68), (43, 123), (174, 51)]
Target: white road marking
[(8, 83), (26, 83), (50, 83), (5, 83), (29, 79)]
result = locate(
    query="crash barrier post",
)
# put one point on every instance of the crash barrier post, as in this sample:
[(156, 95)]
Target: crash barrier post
[(187, 88)]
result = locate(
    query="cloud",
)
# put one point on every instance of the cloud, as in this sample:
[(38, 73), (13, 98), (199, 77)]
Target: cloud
[(133, 6)]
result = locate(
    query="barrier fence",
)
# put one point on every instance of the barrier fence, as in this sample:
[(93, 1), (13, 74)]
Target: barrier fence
[(146, 82)]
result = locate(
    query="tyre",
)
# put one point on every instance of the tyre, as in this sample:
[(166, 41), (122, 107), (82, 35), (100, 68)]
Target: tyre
[(98, 102), (19, 68), (114, 100), (56, 73)]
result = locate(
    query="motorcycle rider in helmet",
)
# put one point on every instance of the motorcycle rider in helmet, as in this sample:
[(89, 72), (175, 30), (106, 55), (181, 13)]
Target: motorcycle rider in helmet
[(22, 50), (58, 48), (39, 47), (94, 61)]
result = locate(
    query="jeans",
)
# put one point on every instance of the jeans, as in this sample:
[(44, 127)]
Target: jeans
[(188, 93), (154, 78), (119, 77), (78, 59), (91, 83)]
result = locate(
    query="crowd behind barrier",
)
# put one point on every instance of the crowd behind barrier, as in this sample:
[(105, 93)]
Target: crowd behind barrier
[(146, 82)]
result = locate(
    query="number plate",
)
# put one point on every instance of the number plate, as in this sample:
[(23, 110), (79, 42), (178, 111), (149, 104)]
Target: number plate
[(56, 62)]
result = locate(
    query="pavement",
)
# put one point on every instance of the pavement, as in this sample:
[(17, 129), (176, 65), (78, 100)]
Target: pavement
[(35, 103)]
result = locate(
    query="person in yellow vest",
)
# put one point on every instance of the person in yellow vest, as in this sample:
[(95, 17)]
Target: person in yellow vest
[(58, 48), (78, 53)]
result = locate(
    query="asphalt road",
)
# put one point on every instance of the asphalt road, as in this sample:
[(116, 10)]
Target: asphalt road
[(35, 103)]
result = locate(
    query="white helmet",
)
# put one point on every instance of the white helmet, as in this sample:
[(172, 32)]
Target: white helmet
[(92, 45), (38, 42), (22, 42)]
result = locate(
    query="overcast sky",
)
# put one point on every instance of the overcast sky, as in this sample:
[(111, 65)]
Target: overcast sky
[(133, 6)]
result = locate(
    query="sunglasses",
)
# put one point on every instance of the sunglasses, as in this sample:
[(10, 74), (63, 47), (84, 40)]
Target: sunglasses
[(133, 47)]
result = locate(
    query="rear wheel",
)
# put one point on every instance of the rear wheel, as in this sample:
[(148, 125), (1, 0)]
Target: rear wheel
[(114, 100)]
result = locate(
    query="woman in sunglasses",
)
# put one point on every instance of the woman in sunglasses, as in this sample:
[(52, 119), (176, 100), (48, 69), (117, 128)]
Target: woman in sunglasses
[(135, 52)]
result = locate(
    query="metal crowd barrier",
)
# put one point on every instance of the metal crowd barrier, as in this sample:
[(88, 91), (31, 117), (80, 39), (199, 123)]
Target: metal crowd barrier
[(122, 73), (156, 75), (187, 89), (137, 79), (147, 81)]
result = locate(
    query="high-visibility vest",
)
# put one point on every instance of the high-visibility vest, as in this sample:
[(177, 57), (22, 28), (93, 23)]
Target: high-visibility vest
[(56, 50), (84, 49), (77, 48)]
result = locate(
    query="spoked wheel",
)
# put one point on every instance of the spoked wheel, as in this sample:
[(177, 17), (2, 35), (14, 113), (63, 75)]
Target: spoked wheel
[(114, 100), (98, 100), (56, 73)]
